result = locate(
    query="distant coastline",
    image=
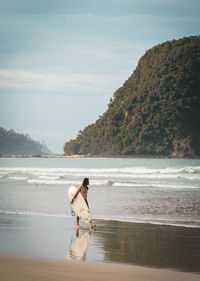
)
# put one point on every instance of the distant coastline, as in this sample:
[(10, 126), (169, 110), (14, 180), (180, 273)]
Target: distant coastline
[(100, 156), (128, 156)]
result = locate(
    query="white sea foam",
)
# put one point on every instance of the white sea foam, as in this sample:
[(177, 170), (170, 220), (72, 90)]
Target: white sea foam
[(129, 184), (142, 176), (50, 182), (175, 186), (116, 181), (100, 182), (48, 177), (157, 185), (33, 213), (126, 170), (55, 176), (64, 182), (18, 178)]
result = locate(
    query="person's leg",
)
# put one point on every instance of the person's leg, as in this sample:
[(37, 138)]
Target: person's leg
[(77, 222), (92, 225)]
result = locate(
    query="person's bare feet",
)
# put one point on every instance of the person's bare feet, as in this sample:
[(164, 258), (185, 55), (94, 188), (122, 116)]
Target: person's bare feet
[(91, 230), (77, 227), (92, 226)]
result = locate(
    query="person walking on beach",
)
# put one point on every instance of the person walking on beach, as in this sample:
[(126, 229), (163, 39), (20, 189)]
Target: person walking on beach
[(83, 189)]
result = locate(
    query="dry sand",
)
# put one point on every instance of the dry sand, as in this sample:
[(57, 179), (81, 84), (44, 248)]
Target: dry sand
[(25, 269)]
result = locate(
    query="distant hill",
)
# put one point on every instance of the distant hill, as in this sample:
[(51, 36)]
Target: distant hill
[(155, 112), (12, 143)]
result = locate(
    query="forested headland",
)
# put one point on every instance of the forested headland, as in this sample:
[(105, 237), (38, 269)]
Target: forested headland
[(157, 110), (12, 143)]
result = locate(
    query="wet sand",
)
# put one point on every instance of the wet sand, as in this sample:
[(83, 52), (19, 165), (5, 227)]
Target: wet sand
[(121, 250), (17, 268)]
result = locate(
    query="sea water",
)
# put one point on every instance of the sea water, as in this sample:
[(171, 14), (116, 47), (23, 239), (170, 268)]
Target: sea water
[(156, 191)]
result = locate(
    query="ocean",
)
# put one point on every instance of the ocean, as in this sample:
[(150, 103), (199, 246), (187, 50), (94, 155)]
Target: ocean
[(155, 191)]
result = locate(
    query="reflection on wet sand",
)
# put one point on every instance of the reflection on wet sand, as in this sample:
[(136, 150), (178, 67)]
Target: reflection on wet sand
[(114, 241), (150, 245), (157, 246), (79, 246)]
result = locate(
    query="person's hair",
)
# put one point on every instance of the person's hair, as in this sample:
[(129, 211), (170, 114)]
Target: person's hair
[(85, 181)]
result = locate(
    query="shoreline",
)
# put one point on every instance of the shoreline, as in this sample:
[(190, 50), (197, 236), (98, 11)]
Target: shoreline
[(129, 156), (78, 156), (124, 243), (29, 269), (117, 220)]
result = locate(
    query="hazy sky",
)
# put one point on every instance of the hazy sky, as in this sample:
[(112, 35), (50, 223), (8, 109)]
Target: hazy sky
[(62, 60)]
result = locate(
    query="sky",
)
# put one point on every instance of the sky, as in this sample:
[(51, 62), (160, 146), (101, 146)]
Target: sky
[(62, 60)]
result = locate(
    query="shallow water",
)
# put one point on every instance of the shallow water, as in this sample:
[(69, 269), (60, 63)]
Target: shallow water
[(158, 191)]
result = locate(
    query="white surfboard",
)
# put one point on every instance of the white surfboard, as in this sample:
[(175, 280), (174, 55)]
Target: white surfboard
[(79, 205)]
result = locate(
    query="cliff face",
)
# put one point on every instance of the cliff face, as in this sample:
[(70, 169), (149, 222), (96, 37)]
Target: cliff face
[(12, 143), (155, 112)]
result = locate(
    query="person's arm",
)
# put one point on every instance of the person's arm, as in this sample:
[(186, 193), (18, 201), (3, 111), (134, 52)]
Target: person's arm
[(77, 192)]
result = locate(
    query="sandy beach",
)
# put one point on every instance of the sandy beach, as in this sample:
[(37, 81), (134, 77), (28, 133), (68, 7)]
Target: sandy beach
[(18, 268), (49, 248), (146, 212)]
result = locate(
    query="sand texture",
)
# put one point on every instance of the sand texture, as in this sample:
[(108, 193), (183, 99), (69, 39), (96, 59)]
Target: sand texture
[(26, 269)]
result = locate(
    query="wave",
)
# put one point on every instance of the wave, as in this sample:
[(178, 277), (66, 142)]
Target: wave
[(49, 177), (34, 214), (154, 185), (126, 170), (18, 178), (50, 180), (143, 176), (185, 177), (64, 182), (55, 175), (96, 183), (129, 184)]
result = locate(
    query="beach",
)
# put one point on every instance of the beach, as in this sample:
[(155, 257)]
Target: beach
[(146, 212), (48, 248), (17, 268), (26, 240)]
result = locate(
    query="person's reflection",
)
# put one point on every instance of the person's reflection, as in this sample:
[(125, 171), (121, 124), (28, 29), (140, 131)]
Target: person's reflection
[(79, 247)]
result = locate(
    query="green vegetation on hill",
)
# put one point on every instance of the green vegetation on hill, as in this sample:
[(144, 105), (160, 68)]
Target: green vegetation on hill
[(155, 112), (12, 143)]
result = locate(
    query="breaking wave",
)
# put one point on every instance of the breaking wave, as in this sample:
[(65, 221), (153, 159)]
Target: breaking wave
[(184, 177)]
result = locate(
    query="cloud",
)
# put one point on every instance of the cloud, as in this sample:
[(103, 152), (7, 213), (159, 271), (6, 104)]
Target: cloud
[(63, 56), (47, 81), (85, 68)]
